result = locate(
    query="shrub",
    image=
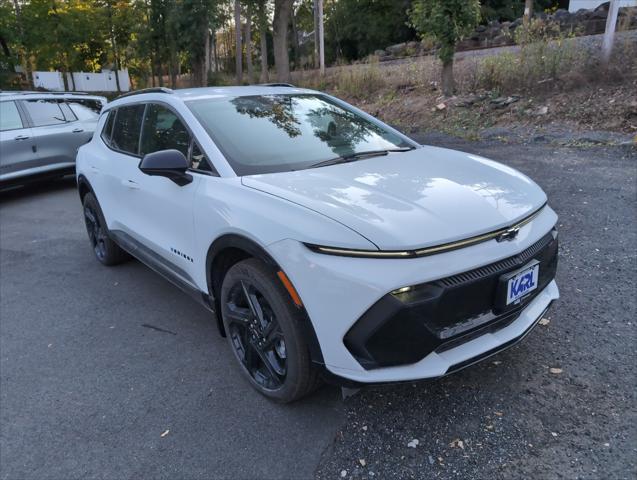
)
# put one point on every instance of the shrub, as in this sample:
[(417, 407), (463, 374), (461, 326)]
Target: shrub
[(359, 80)]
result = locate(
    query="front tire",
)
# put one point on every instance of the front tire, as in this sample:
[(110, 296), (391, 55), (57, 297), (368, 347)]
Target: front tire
[(263, 330), (105, 249)]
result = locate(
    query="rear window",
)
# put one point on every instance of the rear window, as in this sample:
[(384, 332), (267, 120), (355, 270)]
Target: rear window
[(128, 121), (82, 112), (9, 116), (94, 105)]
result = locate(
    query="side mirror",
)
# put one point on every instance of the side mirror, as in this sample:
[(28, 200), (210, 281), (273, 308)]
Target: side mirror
[(171, 164)]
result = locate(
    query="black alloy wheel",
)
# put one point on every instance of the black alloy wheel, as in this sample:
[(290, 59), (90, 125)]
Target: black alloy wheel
[(105, 249), (265, 333), (96, 234), (256, 336)]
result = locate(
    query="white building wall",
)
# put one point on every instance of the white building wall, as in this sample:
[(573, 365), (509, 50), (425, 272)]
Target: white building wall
[(575, 5)]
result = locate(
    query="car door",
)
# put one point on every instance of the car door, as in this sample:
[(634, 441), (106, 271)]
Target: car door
[(17, 146), (56, 131), (117, 166), (162, 216)]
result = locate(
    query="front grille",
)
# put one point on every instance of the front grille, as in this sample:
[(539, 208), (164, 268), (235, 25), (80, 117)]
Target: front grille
[(403, 328), (497, 267)]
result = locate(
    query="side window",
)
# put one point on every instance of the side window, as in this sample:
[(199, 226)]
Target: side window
[(128, 122), (108, 127), (198, 160), (163, 130), (44, 112), (9, 116)]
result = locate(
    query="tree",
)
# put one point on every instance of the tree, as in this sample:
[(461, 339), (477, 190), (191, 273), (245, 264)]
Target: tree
[(282, 9), (249, 43), (263, 38), (355, 28), (446, 21), (237, 41)]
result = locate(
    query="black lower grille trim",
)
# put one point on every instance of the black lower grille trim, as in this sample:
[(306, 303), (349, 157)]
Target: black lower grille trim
[(500, 266), (402, 328)]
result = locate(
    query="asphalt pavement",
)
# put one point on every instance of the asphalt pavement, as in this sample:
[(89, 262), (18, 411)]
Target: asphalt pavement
[(114, 373)]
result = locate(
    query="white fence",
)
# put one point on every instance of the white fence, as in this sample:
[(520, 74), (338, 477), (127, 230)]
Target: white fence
[(83, 81)]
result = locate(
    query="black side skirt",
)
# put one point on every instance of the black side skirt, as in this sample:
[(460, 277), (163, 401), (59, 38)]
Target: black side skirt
[(166, 269)]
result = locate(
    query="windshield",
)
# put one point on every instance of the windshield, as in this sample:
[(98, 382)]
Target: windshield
[(278, 133)]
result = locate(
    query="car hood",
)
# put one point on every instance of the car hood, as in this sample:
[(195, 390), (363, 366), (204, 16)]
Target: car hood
[(423, 197)]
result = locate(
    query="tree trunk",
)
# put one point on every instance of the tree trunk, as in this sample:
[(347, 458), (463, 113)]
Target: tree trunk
[(281, 21), (528, 11), (263, 34), (321, 38), (214, 51), (153, 68), (206, 61), (448, 85), (160, 71), (249, 45), (25, 57), (295, 40), (114, 45), (237, 37)]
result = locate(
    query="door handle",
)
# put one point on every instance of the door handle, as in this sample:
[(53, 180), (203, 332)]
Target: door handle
[(22, 137), (78, 130), (130, 184)]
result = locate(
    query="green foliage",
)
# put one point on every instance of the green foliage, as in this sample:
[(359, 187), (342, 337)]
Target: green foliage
[(360, 79), (447, 21), (509, 10), (545, 55), (355, 28)]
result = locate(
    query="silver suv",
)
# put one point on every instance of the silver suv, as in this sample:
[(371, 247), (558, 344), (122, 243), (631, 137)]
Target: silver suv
[(40, 133)]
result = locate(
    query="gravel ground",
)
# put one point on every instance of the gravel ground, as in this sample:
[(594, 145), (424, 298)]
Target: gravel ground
[(90, 389), (510, 417)]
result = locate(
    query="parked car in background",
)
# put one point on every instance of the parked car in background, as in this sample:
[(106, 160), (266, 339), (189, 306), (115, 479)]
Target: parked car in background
[(40, 133)]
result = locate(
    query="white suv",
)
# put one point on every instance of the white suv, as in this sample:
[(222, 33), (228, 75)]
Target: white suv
[(329, 244)]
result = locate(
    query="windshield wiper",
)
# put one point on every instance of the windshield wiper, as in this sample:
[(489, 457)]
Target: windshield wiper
[(357, 156)]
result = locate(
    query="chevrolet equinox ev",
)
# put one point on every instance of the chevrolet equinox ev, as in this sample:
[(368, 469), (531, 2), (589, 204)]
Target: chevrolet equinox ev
[(40, 133), (328, 244)]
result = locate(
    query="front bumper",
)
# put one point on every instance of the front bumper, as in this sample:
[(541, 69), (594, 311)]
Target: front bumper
[(338, 291)]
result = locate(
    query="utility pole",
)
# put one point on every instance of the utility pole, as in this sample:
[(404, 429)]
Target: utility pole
[(239, 50), (609, 33), (316, 34), (321, 38), (528, 11)]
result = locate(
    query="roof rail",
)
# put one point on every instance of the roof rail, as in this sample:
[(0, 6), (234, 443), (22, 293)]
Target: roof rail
[(41, 92), (276, 85), (147, 90)]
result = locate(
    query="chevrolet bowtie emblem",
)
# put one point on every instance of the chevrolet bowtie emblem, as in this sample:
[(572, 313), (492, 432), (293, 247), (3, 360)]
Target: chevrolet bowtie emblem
[(509, 234)]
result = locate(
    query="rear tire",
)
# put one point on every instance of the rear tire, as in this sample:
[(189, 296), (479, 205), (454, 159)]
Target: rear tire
[(105, 249), (263, 328)]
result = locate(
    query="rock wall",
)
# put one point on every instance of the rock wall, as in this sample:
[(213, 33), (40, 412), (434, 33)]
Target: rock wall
[(497, 34)]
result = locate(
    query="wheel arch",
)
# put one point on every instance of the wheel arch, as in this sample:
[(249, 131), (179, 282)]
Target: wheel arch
[(230, 249), (84, 187)]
